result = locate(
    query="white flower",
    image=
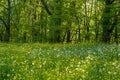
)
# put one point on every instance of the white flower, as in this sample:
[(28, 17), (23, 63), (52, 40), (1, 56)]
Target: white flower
[(118, 66), (77, 69), (79, 63), (105, 64), (8, 75), (40, 66), (109, 72), (33, 63), (70, 72), (115, 73), (13, 70), (31, 70), (83, 76), (66, 68), (83, 70)]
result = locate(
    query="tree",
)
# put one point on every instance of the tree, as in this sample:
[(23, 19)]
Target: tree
[(59, 21), (6, 21), (109, 21)]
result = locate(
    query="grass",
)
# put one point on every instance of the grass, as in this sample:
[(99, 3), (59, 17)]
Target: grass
[(59, 62)]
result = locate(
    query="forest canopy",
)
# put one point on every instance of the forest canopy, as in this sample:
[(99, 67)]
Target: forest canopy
[(60, 21)]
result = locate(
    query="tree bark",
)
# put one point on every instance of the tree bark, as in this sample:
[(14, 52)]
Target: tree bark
[(106, 23), (7, 22), (46, 7)]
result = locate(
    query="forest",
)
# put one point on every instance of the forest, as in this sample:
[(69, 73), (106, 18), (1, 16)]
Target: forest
[(60, 21), (59, 39)]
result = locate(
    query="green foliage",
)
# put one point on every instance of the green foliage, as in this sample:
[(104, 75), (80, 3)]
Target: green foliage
[(59, 62), (50, 20)]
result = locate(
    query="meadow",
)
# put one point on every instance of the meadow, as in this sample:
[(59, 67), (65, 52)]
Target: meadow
[(59, 61)]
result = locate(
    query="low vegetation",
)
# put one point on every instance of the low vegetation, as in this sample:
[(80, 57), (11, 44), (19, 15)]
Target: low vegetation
[(59, 62)]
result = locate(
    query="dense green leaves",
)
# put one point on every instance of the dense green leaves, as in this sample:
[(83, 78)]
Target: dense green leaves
[(59, 21)]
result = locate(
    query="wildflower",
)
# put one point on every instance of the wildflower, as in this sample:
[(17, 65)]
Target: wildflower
[(44, 62), (109, 72), (118, 66), (113, 63), (58, 55), (83, 76), (66, 68), (83, 70), (31, 70), (33, 63), (70, 72), (25, 61), (77, 69), (8, 75), (20, 78), (115, 73), (105, 65), (40, 66), (14, 61), (13, 70), (79, 63)]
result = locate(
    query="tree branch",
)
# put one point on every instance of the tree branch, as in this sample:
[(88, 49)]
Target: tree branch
[(3, 22), (112, 1), (114, 22), (3, 6), (46, 7)]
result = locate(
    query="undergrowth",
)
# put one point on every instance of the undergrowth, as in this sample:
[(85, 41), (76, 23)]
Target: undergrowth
[(59, 62)]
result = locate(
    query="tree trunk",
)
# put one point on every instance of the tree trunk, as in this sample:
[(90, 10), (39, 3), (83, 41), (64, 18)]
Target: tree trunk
[(7, 34), (68, 36), (86, 22), (106, 23)]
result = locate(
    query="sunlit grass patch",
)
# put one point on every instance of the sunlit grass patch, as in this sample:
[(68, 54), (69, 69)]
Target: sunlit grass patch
[(59, 62)]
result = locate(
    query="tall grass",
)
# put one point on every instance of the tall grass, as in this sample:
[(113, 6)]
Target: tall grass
[(59, 62)]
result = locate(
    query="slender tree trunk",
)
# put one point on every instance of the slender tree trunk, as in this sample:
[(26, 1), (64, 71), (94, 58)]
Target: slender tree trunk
[(115, 25), (79, 36), (106, 23), (86, 22), (7, 34), (105, 26), (116, 35), (96, 22), (56, 23), (68, 36), (1, 38)]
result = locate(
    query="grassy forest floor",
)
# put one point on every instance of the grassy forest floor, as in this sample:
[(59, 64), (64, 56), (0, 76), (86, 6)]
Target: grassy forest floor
[(59, 61)]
